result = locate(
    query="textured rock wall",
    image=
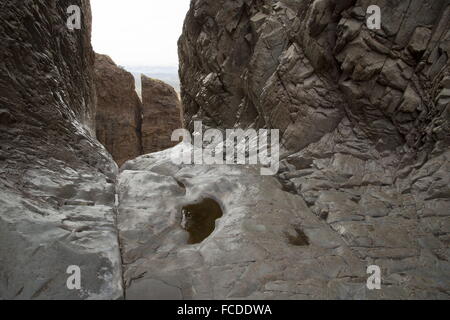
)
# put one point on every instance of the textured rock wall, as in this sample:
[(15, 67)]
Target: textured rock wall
[(56, 180), (301, 66), (126, 126), (364, 116), (161, 115), (118, 116), (364, 178)]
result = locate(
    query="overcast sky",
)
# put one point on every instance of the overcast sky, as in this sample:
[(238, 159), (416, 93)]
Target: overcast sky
[(138, 32)]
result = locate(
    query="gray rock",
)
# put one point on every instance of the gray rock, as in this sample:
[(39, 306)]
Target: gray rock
[(56, 180), (364, 179), (267, 244)]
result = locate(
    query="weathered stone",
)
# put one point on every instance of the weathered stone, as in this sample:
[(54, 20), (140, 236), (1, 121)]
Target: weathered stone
[(161, 115), (363, 115), (285, 76), (419, 41), (118, 114), (127, 127), (56, 180), (250, 254), (364, 178)]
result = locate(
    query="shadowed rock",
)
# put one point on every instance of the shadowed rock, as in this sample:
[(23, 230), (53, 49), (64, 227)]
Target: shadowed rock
[(199, 219), (161, 115), (56, 180)]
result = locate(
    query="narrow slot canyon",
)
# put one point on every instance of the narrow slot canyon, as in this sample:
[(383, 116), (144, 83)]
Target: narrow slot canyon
[(91, 180)]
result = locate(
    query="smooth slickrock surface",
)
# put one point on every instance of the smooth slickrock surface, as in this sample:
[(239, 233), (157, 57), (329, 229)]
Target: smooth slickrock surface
[(161, 115), (269, 243), (249, 254), (56, 181), (118, 114)]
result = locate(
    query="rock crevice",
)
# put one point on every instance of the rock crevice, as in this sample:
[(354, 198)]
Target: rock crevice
[(127, 126)]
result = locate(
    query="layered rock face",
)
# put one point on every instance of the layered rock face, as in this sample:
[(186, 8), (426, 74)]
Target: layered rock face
[(364, 117), (301, 66), (126, 126), (57, 182), (364, 178), (161, 115), (118, 116)]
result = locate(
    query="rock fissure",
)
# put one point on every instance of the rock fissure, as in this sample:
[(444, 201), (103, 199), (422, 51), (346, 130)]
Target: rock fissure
[(126, 124)]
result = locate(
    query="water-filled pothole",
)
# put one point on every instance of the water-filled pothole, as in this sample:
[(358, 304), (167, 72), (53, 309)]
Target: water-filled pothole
[(300, 239), (199, 219)]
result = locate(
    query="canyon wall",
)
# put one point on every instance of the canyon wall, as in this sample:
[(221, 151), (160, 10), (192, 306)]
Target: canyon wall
[(57, 182), (364, 175), (161, 115), (119, 115), (126, 126), (302, 66), (364, 118)]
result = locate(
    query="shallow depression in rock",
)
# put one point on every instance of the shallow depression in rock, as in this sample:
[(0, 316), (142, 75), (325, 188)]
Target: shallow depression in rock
[(299, 239), (199, 219)]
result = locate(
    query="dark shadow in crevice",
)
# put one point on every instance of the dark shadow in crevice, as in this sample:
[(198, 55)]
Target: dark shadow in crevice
[(300, 239), (199, 219)]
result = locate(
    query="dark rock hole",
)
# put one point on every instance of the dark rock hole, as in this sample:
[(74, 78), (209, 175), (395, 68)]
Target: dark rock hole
[(199, 219), (300, 239)]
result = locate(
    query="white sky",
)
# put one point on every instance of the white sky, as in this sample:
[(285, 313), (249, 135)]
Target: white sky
[(138, 32)]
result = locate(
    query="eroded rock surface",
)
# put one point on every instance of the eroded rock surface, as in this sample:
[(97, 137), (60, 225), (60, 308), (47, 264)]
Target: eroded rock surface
[(391, 208), (161, 115), (57, 182), (302, 66), (248, 255), (118, 114), (364, 179), (364, 117), (272, 244)]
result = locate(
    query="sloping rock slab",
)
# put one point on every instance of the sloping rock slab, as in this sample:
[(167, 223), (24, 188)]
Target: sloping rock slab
[(267, 245)]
